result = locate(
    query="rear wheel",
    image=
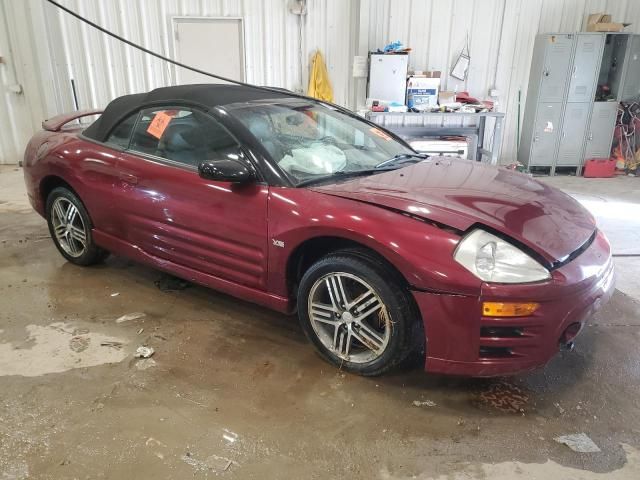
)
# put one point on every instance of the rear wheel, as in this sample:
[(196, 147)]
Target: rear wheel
[(70, 228), (357, 313)]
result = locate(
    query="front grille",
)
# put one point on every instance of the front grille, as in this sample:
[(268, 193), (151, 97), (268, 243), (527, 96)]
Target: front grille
[(508, 338), (495, 352), (501, 332)]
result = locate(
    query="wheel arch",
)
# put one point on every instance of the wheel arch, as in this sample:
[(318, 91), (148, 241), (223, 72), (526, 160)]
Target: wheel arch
[(314, 248), (51, 182)]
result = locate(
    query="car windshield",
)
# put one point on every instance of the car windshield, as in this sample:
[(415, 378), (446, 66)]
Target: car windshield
[(312, 141)]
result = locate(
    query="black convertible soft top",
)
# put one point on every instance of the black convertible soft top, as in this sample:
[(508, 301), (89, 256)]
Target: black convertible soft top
[(204, 95)]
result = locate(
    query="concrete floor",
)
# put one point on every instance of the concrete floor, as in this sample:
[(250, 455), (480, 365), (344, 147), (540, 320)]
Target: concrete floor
[(235, 390)]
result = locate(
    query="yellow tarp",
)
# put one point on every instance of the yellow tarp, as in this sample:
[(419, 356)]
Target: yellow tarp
[(319, 85)]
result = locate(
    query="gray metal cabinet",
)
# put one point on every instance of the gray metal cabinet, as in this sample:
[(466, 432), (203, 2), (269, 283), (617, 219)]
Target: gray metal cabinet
[(574, 127), (575, 85), (631, 85), (601, 127), (585, 68), (557, 61), (548, 81), (545, 134)]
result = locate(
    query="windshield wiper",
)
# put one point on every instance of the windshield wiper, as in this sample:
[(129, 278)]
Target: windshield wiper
[(339, 174), (381, 167), (402, 156)]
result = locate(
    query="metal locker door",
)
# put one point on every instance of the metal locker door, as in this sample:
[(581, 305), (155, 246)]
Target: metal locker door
[(600, 135), (545, 134), (631, 87), (586, 65), (574, 126), (555, 72)]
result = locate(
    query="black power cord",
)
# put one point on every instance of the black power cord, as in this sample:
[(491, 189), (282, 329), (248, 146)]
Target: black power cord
[(279, 91), (166, 59)]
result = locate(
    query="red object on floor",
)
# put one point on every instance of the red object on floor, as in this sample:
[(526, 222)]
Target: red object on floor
[(599, 168)]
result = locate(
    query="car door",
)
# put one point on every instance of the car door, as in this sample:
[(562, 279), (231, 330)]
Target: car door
[(170, 212)]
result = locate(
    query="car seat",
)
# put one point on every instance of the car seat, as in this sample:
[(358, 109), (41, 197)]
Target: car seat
[(262, 129), (175, 146)]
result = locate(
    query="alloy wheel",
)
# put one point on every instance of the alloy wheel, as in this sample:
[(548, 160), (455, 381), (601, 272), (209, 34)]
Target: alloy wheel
[(68, 227), (349, 317)]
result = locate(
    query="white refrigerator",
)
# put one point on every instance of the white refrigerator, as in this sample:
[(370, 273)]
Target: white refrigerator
[(388, 77)]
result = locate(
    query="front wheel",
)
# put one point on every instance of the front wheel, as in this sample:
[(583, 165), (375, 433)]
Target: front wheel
[(357, 313)]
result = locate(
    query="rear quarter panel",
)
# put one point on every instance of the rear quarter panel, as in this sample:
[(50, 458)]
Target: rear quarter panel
[(34, 166), (88, 168)]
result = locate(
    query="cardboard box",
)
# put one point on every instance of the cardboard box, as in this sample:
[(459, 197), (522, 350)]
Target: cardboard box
[(426, 73), (601, 22), (422, 90), (446, 97)]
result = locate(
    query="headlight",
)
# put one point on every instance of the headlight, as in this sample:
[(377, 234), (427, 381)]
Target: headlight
[(493, 260)]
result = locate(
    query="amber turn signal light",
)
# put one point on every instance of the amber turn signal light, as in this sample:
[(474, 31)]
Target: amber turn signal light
[(508, 309)]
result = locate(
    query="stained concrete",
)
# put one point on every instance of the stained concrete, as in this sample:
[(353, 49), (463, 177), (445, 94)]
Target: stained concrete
[(236, 391)]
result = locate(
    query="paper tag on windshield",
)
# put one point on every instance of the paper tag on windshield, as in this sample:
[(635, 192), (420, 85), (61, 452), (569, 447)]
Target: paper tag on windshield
[(159, 124), (380, 133)]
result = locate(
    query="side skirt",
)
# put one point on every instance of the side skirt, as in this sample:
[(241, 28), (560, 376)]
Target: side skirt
[(119, 247)]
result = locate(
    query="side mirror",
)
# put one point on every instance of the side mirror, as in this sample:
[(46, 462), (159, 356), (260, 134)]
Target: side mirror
[(226, 170)]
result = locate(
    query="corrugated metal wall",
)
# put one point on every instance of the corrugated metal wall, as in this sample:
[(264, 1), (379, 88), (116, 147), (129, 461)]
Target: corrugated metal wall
[(45, 48), (104, 68), (543, 16), (15, 123), (60, 48), (501, 35)]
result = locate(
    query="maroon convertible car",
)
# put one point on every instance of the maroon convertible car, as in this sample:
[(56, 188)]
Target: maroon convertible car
[(297, 204)]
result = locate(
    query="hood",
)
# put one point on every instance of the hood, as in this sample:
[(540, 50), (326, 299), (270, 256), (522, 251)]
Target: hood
[(460, 193)]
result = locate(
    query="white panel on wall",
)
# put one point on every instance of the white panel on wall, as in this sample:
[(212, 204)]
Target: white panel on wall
[(196, 43)]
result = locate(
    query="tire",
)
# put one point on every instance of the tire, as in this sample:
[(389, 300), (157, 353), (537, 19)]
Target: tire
[(75, 243), (391, 332)]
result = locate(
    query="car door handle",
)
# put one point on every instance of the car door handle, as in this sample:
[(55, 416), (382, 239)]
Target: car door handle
[(129, 178)]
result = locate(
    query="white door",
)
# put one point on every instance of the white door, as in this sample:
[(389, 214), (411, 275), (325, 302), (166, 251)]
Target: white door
[(215, 45)]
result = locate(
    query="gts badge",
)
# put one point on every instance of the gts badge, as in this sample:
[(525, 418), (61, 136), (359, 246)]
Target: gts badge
[(277, 243)]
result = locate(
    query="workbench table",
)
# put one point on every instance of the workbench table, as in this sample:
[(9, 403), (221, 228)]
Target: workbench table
[(437, 124)]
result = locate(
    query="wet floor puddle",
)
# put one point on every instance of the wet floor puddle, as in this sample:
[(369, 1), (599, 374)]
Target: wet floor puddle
[(58, 347)]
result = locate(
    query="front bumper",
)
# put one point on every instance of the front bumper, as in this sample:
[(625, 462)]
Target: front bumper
[(461, 341)]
